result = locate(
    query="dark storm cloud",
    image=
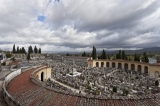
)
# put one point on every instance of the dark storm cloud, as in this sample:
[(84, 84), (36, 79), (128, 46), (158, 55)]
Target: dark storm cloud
[(78, 25)]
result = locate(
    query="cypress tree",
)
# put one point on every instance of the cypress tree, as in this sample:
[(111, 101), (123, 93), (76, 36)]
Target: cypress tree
[(31, 49), (120, 54), (156, 83), (17, 49), (135, 57), (20, 50), (39, 51), (84, 54), (138, 58), (28, 56), (14, 50), (23, 50), (145, 57), (103, 56), (124, 57), (117, 56), (94, 54), (35, 50)]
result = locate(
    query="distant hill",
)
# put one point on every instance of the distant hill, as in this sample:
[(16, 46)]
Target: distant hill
[(151, 49)]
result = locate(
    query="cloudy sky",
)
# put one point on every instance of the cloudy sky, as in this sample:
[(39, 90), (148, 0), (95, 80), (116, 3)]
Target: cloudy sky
[(77, 25)]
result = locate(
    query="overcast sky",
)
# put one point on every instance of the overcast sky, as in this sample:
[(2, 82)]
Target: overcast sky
[(77, 25)]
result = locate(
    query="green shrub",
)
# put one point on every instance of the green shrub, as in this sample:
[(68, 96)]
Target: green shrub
[(114, 89)]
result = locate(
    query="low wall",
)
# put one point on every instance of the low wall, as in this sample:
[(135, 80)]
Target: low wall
[(7, 97)]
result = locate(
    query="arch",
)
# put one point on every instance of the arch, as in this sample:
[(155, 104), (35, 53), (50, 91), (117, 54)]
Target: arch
[(132, 67), (126, 66), (107, 64), (146, 69), (119, 65), (97, 64), (139, 69), (156, 74), (42, 76), (102, 64), (113, 65)]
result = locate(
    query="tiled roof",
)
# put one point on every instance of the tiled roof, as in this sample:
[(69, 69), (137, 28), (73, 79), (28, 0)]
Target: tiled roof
[(27, 93)]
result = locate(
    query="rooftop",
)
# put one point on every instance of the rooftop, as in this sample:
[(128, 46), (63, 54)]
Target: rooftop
[(27, 93)]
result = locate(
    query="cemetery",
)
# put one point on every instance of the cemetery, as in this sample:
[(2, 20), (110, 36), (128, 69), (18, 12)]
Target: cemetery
[(104, 81)]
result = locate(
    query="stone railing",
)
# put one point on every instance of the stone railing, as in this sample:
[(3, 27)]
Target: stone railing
[(8, 98)]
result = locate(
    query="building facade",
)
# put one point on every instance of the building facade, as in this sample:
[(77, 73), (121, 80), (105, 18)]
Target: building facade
[(127, 65)]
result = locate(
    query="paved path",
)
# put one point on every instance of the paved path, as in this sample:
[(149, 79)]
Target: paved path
[(112, 72), (3, 74), (73, 89)]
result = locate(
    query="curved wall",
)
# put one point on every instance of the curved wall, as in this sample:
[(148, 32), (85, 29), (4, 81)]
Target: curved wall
[(7, 97), (128, 65)]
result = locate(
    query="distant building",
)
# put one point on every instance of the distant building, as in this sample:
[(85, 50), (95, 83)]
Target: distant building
[(81, 61), (3, 57), (152, 60), (158, 61)]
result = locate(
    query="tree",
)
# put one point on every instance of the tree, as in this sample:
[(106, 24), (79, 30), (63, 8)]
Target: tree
[(30, 50), (67, 54), (39, 51), (125, 92), (135, 57), (103, 55), (120, 54), (114, 89), (8, 55), (20, 50), (117, 56), (23, 50), (13, 59), (14, 50), (28, 56), (84, 54), (94, 54), (145, 57), (89, 87), (138, 58), (124, 55), (17, 49), (4, 63), (156, 83), (35, 50), (99, 57)]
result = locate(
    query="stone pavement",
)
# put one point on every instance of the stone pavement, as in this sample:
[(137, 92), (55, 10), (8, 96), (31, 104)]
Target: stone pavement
[(3, 74)]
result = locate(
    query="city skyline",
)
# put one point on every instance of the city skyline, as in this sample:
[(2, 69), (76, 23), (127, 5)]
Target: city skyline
[(61, 26)]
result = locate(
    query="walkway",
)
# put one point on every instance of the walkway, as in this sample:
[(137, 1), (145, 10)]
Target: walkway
[(73, 89), (112, 72)]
